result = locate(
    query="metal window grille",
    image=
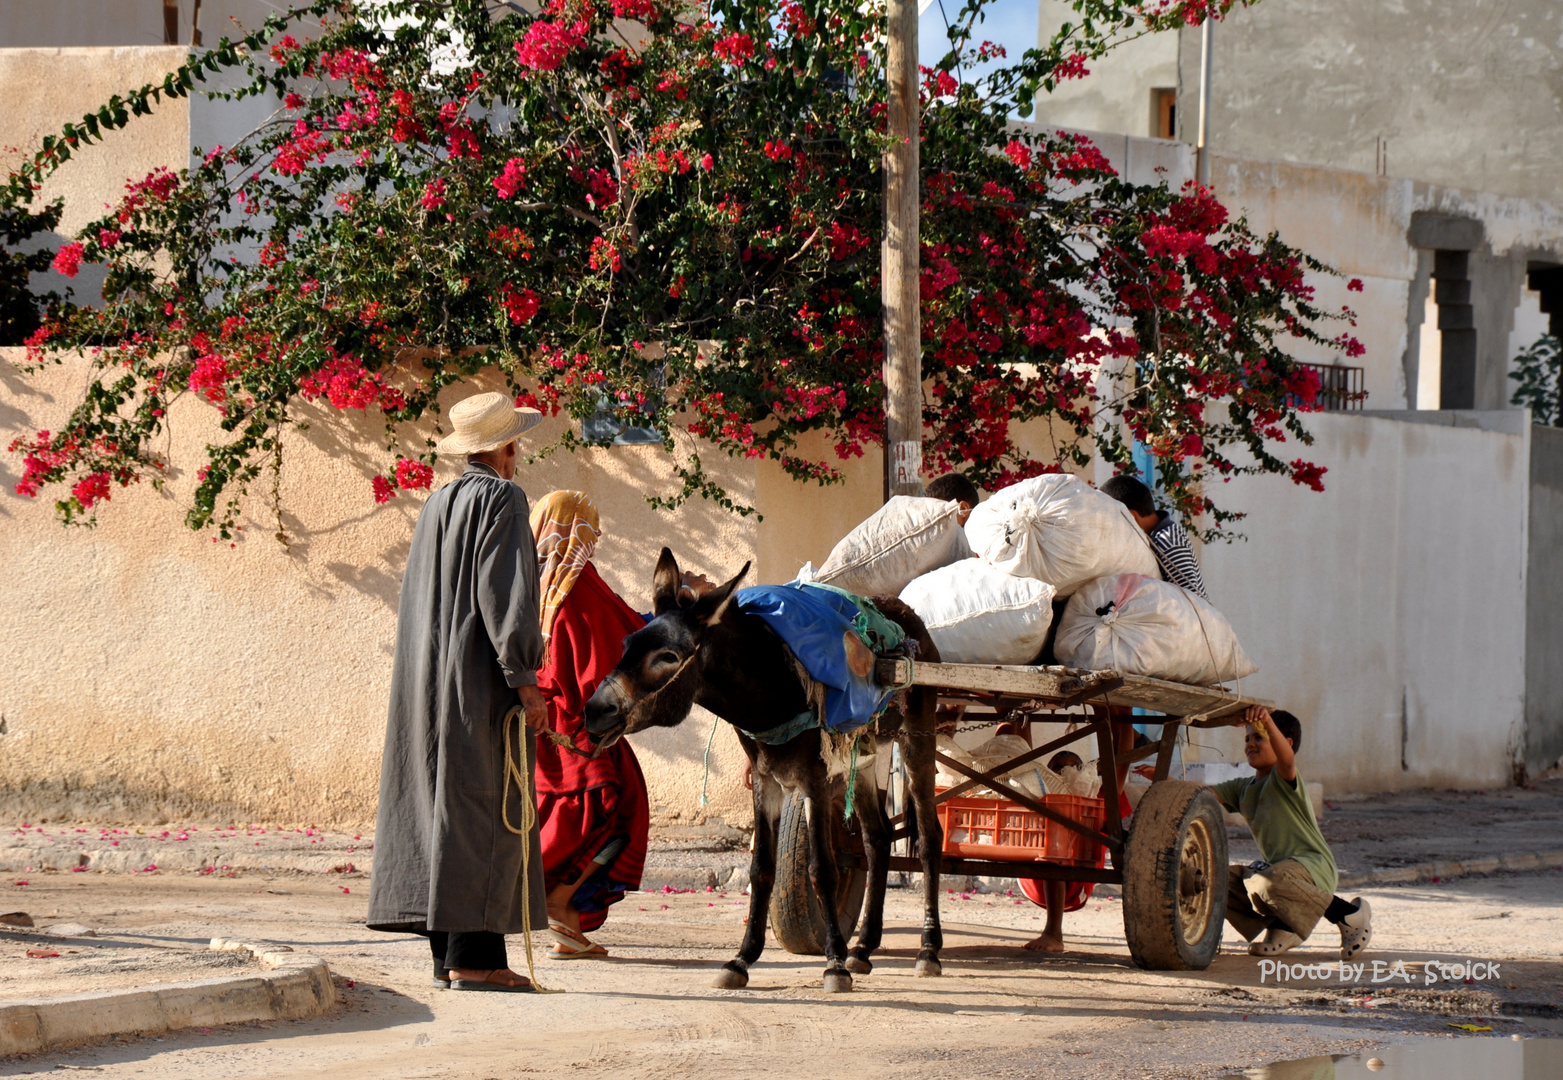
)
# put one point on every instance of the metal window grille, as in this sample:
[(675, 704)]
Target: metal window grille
[(1340, 387)]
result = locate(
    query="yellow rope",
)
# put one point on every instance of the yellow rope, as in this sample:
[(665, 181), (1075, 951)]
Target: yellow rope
[(522, 775)]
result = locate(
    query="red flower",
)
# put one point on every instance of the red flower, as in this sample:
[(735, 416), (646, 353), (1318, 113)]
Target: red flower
[(604, 255), (1354, 285), (1307, 474), (107, 238), (462, 143), (707, 163), (433, 194), (546, 44), (92, 489), (384, 492), (208, 378), (513, 178), (413, 475), (1019, 153), (520, 306), (68, 259), (735, 48)]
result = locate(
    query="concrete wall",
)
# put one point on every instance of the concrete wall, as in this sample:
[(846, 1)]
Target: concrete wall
[(1544, 611), (1383, 612), (152, 672), (1116, 96), (1461, 94), (30, 24)]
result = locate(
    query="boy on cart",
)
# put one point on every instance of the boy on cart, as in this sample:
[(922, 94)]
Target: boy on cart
[(1292, 886)]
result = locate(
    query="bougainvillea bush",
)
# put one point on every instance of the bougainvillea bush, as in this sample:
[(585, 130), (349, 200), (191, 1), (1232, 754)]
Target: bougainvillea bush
[(666, 216)]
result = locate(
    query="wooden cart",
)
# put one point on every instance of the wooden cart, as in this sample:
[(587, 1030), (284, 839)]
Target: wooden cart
[(1172, 865)]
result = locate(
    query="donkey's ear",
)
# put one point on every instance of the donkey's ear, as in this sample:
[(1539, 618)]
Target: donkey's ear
[(665, 583), (709, 609)]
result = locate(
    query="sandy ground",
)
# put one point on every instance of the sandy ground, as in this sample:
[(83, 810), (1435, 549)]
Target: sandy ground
[(1365, 832), (649, 1011)]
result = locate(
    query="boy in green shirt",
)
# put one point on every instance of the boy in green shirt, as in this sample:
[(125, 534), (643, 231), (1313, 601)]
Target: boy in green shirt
[(1293, 887)]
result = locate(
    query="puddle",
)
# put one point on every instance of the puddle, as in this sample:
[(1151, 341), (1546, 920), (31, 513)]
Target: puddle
[(1499, 1058)]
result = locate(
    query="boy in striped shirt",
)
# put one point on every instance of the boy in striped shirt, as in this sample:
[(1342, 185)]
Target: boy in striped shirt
[(1171, 544)]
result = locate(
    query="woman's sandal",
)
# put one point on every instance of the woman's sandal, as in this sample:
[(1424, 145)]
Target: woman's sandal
[(573, 945)]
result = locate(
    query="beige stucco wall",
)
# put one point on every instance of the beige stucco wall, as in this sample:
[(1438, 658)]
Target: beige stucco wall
[(48, 88), (152, 671)]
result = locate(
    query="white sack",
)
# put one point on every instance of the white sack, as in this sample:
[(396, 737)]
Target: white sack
[(1151, 627), (1061, 530), (978, 615), (902, 540)]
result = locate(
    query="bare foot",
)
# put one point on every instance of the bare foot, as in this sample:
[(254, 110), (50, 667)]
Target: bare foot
[(504, 976), (1045, 942)]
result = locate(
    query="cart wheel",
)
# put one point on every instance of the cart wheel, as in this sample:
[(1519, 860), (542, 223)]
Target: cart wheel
[(796, 916), (1175, 878)]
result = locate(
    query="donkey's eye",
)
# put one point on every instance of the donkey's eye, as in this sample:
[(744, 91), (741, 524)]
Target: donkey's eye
[(665, 658)]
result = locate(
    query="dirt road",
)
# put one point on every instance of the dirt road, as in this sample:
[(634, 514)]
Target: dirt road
[(650, 1011)]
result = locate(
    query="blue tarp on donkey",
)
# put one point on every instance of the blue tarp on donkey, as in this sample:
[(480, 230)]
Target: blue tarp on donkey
[(815, 621)]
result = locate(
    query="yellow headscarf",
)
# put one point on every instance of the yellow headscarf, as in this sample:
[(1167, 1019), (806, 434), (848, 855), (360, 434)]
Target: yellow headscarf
[(566, 527)]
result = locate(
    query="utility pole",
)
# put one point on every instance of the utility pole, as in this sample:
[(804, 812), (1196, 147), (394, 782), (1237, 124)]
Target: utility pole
[(899, 257), (1202, 144)]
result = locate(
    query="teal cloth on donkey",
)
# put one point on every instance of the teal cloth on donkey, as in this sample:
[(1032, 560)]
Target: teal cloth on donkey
[(813, 620)]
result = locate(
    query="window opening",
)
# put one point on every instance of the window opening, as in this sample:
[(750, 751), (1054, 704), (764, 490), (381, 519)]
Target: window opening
[(1164, 113)]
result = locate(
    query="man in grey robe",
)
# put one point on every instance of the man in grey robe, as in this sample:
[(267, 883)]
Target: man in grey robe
[(468, 646)]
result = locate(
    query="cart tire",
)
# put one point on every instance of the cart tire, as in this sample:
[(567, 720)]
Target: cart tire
[(797, 919), (1175, 878)]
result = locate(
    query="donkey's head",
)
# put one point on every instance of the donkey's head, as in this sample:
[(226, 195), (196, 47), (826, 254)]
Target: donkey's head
[(656, 681)]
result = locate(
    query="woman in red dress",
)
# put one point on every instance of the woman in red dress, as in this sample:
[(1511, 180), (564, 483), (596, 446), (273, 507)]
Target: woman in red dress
[(593, 813)]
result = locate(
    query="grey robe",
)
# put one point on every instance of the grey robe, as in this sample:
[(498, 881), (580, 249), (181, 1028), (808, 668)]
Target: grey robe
[(467, 636)]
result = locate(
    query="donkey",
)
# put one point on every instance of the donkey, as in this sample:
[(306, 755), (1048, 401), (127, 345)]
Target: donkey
[(707, 651)]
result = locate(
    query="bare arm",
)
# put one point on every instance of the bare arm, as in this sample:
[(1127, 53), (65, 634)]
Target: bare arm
[(1285, 760)]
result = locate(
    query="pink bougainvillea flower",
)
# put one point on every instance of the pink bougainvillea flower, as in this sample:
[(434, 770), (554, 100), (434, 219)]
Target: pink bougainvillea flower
[(735, 48), (68, 259), (521, 306), (433, 194), (546, 44), (413, 475), (511, 179), (384, 491), (92, 489)]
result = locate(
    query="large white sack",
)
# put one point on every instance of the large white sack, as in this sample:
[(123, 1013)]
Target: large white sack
[(1149, 627), (902, 540), (1061, 530), (979, 615)]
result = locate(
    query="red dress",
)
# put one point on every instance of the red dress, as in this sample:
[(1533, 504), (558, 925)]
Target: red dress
[(582, 805), (1076, 893)]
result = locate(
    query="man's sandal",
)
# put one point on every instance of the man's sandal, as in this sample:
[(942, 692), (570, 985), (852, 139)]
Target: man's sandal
[(488, 985), (573, 945)]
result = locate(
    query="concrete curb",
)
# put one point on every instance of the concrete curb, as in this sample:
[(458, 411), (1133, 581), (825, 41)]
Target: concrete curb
[(1442, 871), (132, 859), (297, 986)]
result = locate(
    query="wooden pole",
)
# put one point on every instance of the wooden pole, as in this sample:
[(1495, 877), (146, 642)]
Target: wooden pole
[(899, 259)]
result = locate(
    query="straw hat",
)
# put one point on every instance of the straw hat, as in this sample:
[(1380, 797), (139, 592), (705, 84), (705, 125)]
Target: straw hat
[(486, 422)]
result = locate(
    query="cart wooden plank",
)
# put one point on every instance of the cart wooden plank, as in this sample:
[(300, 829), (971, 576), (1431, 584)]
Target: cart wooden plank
[(1200, 706)]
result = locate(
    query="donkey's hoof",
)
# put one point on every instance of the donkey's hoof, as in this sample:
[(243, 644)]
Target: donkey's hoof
[(859, 965), (837, 982), (928, 968), (731, 977)]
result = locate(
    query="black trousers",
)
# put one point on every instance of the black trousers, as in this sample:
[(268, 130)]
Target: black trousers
[(477, 950)]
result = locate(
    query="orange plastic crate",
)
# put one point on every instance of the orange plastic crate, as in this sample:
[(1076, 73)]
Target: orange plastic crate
[(1006, 831)]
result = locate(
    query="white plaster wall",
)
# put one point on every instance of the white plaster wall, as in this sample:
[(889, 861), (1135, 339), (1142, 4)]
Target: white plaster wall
[(1387, 612), (1116, 95)]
